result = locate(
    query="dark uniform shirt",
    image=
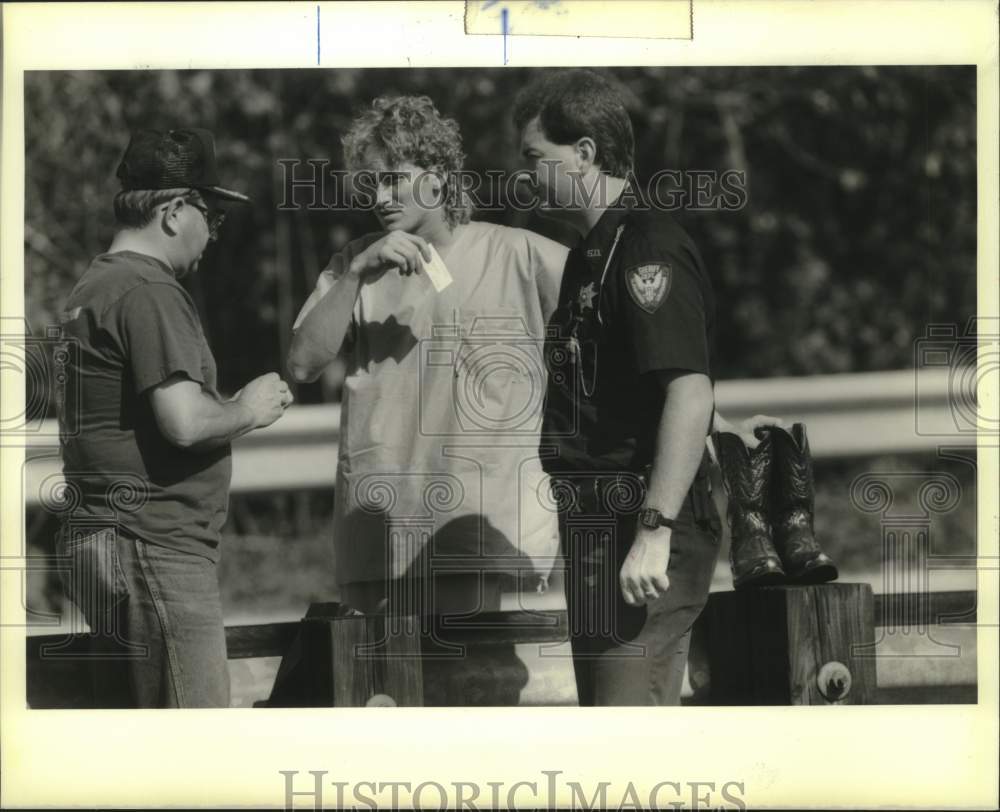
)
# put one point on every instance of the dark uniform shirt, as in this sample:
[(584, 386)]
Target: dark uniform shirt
[(135, 326), (649, 308)]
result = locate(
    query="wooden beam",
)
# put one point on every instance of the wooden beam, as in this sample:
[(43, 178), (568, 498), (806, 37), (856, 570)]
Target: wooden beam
[(259, 640), (492, 670), (498, 628), (926, 609)]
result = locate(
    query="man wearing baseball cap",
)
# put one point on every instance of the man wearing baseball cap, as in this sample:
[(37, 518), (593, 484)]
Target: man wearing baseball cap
[(146, 454)]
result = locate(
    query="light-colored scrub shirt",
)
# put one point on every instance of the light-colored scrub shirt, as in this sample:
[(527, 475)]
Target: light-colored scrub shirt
[(439, 461)]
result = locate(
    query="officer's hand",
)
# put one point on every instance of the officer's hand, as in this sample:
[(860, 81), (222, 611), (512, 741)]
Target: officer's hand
[(396, 249), (643, 576), (267, 397), (746, 429)]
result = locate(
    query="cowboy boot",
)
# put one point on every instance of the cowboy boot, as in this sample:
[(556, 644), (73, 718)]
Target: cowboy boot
[(792, 508), (746, 473)]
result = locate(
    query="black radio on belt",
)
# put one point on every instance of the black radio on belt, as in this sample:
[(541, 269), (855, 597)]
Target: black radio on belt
[(652, 519)]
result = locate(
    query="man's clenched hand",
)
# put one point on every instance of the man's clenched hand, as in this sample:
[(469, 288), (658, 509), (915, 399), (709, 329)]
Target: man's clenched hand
[(266, 397), (397, 248), (643, 576)]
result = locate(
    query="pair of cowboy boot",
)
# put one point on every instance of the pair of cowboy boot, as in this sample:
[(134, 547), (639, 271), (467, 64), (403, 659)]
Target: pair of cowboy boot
[(771, 509)]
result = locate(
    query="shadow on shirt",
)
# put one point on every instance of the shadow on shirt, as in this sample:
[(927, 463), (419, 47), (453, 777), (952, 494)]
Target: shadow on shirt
[(382, 340)]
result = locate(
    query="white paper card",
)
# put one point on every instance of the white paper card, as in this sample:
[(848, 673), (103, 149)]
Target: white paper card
[(437, 271)]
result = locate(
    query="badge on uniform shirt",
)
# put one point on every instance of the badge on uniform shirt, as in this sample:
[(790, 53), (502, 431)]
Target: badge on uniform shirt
[(585, 297), (649, 284)]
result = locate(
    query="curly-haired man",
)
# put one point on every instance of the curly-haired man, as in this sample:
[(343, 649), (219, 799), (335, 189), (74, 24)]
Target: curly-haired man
[(438, 482)]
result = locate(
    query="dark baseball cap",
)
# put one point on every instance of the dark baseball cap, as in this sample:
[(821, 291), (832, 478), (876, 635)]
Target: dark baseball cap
[(173, 160)]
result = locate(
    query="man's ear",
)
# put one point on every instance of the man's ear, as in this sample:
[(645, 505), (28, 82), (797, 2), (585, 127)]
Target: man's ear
[(586, 152), (171, 214)]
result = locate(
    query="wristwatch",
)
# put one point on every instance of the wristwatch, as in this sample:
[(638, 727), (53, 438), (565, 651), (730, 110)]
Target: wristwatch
[(652, 519)]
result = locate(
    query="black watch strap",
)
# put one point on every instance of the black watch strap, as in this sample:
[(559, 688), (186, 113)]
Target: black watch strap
[(652, 518)]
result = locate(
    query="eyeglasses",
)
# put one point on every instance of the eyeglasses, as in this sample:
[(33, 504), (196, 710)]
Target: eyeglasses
[(213, 219)]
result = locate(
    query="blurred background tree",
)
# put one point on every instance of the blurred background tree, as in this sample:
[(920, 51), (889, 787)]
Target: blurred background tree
[(859, 227)]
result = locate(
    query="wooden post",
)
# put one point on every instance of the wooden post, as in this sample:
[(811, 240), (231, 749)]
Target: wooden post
[(787, 645), (377, 661), (351, 661)]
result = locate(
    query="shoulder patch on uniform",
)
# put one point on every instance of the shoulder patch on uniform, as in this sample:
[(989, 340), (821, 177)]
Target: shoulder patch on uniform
[(649, 284)]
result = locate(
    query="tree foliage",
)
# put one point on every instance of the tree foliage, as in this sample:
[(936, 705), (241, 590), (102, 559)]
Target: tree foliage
[(858, 230)]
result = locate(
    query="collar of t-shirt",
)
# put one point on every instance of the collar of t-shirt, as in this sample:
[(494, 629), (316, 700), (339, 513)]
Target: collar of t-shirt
[(159, 263)]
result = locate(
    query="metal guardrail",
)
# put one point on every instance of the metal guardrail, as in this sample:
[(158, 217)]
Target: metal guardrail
[(847, 415)]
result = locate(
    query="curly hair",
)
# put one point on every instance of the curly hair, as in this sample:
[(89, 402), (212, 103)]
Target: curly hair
[(410, 129)]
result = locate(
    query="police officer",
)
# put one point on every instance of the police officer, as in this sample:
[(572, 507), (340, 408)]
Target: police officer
[(629, 401)]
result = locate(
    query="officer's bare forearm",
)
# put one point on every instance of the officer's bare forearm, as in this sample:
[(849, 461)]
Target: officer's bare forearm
[(320, 336), (680, 441)]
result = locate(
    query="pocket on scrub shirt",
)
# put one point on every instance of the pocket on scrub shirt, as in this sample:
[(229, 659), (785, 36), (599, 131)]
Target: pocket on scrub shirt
[(382, 413), (500, 372)]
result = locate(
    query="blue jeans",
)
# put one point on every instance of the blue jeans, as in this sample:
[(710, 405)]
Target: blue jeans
[(157, 637)]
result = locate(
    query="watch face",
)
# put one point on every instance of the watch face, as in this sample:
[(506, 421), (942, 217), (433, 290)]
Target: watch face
[(650, 517)]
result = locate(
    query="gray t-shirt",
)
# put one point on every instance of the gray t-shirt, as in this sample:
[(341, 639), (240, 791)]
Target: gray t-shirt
[(135, 326)]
